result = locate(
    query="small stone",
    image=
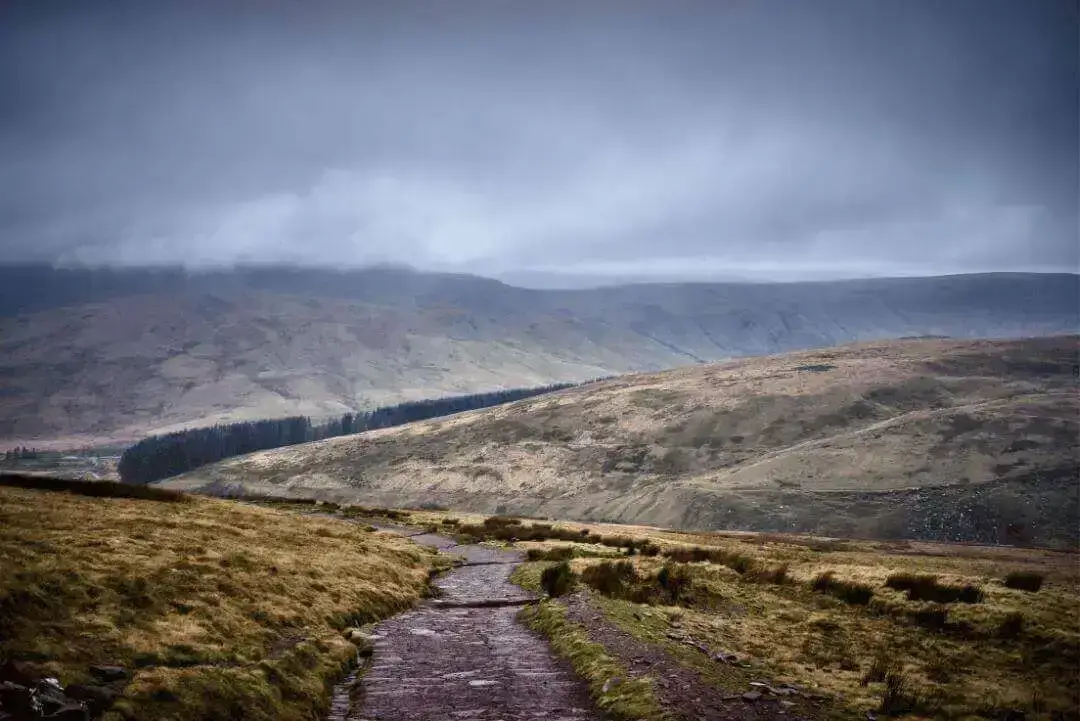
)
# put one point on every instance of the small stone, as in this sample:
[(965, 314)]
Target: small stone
[(751, 696), (759, 684), (109, 673), (482, 682), (788, 704)]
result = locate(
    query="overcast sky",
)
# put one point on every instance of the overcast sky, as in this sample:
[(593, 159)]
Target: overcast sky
[(747, 138)]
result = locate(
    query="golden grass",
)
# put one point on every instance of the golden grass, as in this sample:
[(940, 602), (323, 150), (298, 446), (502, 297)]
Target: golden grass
[(220, 610), (985, 428), (974, 666)]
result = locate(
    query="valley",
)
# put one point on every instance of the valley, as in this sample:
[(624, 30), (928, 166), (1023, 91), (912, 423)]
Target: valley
[(108, 356)]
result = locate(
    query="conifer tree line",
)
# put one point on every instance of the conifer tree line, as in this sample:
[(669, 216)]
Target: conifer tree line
[(17, 454), (157, 457)]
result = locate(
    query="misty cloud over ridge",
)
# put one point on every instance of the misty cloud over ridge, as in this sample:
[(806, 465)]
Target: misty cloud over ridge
[(762, 138)]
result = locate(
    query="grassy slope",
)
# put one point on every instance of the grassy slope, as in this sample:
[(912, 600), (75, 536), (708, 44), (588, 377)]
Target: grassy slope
[(793, 633), (217, 608), (902, 439)]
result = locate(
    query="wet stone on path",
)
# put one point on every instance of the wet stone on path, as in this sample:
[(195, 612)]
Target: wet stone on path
[(464, 656)]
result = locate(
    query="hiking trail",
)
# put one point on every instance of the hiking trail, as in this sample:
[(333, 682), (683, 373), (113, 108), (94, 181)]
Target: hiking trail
[(463, 656)]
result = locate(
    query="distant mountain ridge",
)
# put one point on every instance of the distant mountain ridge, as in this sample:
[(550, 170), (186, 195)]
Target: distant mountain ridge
[(115, 354)]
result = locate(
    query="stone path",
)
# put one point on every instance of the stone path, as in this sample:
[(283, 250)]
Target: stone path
[(464, 656)]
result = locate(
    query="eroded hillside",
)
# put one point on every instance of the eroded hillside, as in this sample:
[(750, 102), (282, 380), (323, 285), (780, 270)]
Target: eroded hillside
[(931, 439)]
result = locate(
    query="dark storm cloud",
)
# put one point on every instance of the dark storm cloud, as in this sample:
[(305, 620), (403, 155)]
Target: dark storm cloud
[(758, 137)]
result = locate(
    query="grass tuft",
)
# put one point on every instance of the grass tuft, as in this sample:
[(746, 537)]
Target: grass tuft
[(926, 588), (1024, 581), (856, 594), (557, 580), (611, 579)]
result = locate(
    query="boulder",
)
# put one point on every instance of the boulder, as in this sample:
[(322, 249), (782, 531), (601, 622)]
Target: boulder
[(16, 672), (109, 673), (69, 712), (16, 699)]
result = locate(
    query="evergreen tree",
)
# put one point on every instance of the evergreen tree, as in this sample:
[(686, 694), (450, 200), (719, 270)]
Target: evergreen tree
[(158, 457)]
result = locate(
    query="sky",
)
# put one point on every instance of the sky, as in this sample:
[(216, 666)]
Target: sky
[(752, 139)]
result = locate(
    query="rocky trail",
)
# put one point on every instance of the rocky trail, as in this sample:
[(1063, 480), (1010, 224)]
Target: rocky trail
[(464, 656)]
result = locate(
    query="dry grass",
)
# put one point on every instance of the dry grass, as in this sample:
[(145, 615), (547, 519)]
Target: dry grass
[(221, 610), (1013, 651), (943, 440)]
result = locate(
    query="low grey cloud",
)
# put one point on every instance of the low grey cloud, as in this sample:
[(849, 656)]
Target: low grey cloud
[(749, 138)]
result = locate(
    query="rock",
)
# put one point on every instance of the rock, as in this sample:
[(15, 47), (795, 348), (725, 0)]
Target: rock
[(16, 672), (759, 684), (97, 698), (16, 698), (69, 712), (49, 696), (788, 704), (109, 673), (751, 696)]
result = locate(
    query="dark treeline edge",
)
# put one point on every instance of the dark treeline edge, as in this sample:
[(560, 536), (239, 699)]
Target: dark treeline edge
[(162, 456)]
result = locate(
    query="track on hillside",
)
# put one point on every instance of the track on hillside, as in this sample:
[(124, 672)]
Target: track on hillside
[(464, 656)]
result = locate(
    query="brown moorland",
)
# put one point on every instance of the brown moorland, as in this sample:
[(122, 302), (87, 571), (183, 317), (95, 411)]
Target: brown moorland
[(933, 439), (216, 610), (826, 616)]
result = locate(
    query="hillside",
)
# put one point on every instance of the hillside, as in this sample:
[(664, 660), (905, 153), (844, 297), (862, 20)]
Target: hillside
[(90, 357), (171, 608), (936, 439)]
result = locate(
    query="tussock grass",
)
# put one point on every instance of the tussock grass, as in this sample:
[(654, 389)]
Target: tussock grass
[(1024, 580), (219, 610), (927, 588), (611, 579), (1012, 653), (857, 594), (557, 580)]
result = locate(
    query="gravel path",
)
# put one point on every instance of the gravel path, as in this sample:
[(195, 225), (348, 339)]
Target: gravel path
[(464, 656)]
